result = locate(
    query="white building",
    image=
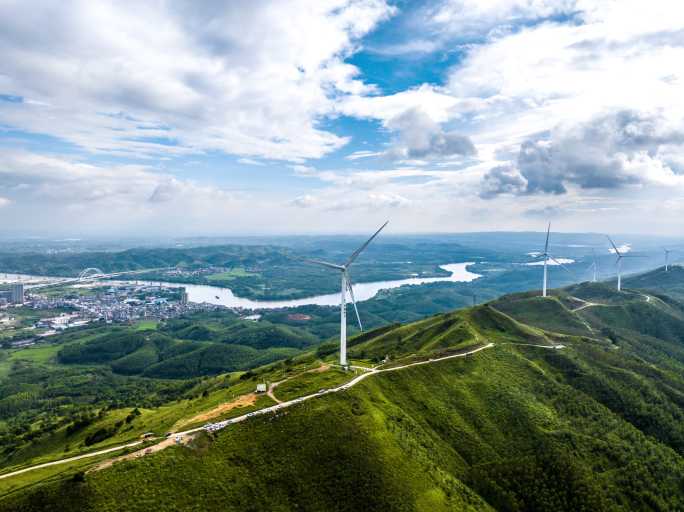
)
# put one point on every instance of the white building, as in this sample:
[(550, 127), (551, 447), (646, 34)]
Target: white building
[(17, 293)]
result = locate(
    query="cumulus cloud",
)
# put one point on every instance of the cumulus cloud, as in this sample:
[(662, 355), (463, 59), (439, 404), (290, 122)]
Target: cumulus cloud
[(54, 193), (422, 138), (251, 79), (502, 180), (611, 151)]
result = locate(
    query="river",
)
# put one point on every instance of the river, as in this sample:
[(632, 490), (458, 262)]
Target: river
[(362, 291), (225, 297)]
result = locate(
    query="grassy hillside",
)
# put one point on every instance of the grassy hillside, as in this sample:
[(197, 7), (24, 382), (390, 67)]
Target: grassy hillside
[(524, 426), (670, 282), (508, 429)]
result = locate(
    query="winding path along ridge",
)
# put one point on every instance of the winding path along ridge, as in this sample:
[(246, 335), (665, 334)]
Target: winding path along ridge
[(274, 408)]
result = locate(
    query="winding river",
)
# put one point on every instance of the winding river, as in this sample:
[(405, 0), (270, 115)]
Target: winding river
[(362, 291)]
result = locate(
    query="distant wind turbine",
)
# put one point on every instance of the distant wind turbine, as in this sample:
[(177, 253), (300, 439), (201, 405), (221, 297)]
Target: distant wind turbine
[(347, 285), (667, 258), (594, 267), (548, 257), (619, 261)]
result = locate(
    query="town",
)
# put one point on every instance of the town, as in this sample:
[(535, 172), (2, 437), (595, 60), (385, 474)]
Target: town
[(28, 317)]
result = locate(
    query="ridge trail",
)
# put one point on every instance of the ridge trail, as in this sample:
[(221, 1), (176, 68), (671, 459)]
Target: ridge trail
[(274, 408)]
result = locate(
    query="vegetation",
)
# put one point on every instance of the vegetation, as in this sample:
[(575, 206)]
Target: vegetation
[(595, 426)]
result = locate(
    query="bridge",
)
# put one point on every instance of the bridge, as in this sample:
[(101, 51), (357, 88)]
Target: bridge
[(91, 274)]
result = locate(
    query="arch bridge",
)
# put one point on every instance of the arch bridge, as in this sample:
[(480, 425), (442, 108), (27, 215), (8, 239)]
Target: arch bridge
[(90, 273)]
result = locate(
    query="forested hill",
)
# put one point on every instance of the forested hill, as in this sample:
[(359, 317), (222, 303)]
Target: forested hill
[(577, 406), (70, 264)]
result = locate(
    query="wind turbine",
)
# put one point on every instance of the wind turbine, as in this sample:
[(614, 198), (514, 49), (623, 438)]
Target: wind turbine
[(594, 267), (667, 258), (618, 263), (347, 285), (548, 257)]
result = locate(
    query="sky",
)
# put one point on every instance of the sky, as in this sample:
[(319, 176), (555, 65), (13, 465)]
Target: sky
[(330, 116)]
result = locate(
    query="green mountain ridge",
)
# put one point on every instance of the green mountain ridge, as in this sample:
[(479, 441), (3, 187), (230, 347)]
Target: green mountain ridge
[(522, 426)]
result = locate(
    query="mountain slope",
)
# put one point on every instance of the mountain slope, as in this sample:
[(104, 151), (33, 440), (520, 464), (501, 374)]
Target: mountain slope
[(503, 430), (524, 425)]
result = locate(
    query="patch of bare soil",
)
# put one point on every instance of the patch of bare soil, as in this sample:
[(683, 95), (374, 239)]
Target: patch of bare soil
[(241, 401), (170, 441)]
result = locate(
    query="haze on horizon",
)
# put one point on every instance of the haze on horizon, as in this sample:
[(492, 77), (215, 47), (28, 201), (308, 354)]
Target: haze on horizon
[(174, 118)]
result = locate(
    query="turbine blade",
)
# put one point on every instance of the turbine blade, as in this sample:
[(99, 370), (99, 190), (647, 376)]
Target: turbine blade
[(614, 246), (325, 264), (564, 267), (546, 245), (353, 299), (358, 251)]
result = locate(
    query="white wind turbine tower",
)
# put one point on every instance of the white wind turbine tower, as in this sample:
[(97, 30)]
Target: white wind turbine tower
[(667, 258), (594, 267), (618, 263), (548, 257), (347, 285)]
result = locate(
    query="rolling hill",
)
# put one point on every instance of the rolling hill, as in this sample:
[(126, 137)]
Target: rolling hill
[(186, 348), (578, 405)]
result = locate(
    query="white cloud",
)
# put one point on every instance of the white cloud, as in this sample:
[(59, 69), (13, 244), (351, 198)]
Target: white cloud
[(303, 170), (356, 155), (625, 55), (624, 248), (468, 18), (421, 138), (51, 193), (437, 103), (171, 77), (249, 161)]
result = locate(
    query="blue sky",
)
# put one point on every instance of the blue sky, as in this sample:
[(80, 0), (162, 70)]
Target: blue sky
[(275, 116)]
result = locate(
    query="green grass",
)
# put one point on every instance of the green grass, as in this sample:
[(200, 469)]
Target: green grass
[(41, 354), (231, 274), (312, 382), (145, 325), (502, 430)]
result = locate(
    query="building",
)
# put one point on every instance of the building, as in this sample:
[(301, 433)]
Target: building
[(261, 388), (17, 293), (184, 296)]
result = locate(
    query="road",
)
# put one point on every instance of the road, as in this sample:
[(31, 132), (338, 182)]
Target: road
[(586, 304), (275, 408), (368, 372), (70, 459)]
